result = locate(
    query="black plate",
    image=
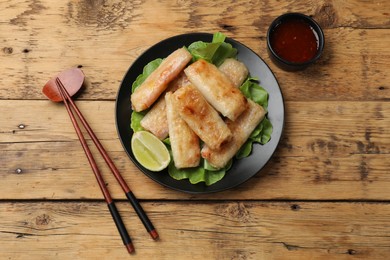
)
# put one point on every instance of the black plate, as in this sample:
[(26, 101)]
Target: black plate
[(242, 169)]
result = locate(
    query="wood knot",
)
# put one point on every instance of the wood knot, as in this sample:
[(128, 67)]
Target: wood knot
[(236, 211), (8, 50), (240, 254), (78, 208), (42, 220), (228, 27), (363, 170), (295, 207), (290, 247), (326, 16), (321, 145)]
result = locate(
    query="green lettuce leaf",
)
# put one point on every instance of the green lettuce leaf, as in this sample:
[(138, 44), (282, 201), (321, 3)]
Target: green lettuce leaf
[(203, 173), (251, 89), (148, 69), (262, 133), (195, 174), (214, 52), (136, 118), (245, 150), (266, 132), (206, 174)]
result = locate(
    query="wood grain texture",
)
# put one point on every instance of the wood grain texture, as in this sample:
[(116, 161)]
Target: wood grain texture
[(244, 230), (324, 194), (105, 37), (326, 147)]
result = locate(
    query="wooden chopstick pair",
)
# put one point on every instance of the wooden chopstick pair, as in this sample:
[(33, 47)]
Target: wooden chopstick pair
[(111, 205)]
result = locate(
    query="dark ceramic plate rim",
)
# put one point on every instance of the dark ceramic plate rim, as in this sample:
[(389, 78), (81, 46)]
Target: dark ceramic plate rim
[(241, 170)]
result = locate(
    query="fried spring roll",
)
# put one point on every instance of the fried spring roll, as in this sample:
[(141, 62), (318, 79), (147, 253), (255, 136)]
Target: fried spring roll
[(184, 142), (155, 121), (154, 85), (241, 130), (201, 117), (235, 70), (218, 90)]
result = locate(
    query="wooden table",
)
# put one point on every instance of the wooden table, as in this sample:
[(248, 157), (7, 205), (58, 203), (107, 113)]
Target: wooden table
[(324, 195)]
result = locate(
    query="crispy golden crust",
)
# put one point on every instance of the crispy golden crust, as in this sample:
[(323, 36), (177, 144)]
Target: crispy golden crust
[(184, 142), (150, 90), (155, 121), (203, 119), (241, 130), (217, 89)]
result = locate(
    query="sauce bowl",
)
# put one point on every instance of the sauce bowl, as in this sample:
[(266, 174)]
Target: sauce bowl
[(294, 41)]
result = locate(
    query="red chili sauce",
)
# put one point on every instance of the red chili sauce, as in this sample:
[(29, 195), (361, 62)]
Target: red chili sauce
[(294, 40)]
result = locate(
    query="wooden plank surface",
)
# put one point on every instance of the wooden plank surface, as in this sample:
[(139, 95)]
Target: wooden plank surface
[(326, 146), (331, 79), (225, 230), (324, 194), (105, 47)]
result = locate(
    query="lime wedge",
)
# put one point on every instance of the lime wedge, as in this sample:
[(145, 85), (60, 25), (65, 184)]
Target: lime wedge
[(150, 151)]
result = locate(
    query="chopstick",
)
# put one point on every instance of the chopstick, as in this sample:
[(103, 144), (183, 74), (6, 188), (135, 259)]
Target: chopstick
[(129, 194), (111, 205)]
